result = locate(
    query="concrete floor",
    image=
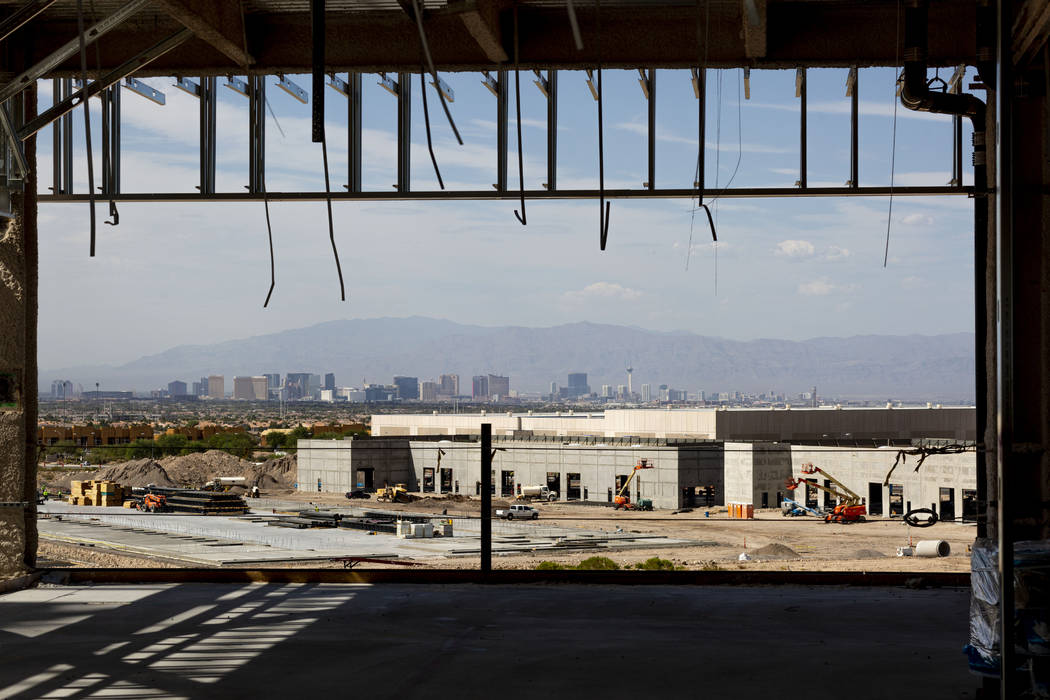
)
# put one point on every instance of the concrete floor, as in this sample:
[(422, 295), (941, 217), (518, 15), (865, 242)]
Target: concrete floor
[(218, 540), (468, 641)]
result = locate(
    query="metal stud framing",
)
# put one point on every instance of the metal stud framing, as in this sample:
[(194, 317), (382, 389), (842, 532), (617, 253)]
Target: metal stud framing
[(548, 82)]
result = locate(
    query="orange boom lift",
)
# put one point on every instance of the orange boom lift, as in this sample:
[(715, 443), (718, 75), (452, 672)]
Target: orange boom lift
[(849, 509)]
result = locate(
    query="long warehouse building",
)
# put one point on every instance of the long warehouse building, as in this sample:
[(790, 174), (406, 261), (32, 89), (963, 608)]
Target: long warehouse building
[(734, 460)]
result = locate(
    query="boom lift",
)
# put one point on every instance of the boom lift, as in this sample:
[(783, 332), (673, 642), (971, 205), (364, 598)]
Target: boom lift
[(623, 498), (849, 509)]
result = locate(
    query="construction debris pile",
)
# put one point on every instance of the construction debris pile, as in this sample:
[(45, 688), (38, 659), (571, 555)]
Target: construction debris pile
[(97, 493)]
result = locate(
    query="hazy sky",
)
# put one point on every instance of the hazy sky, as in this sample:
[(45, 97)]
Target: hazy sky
[(786, 268)]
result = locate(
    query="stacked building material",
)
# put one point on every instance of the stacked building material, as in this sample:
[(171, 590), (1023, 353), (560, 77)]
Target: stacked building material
[(97, 493), (201, 502)]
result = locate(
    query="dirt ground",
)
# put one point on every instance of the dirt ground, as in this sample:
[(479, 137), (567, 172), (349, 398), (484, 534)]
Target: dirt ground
[(816, 546)]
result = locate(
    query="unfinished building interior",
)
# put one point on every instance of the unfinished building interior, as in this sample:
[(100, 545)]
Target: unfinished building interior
[(63, 641)]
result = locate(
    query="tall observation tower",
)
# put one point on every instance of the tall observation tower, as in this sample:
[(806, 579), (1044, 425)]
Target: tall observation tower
[(630, 391)]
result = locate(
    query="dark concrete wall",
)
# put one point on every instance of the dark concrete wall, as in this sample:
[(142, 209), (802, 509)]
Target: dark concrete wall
[(18, 409)]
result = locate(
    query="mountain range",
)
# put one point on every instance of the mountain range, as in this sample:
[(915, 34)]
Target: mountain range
[(909, 367)]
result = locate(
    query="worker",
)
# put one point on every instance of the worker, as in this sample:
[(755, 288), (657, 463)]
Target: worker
[(45, 493), (255, 491)]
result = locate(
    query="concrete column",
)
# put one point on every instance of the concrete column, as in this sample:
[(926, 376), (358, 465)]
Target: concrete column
[(18, 371)]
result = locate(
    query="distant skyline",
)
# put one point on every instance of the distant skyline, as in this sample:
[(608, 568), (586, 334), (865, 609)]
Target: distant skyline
[(173, 274)]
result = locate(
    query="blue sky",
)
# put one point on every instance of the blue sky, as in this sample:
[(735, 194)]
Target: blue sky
[(786, 268)]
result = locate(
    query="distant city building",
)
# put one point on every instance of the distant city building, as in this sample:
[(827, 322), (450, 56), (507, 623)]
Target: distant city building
[(621, 390), (449, 385), (63, 389), (273, 381), (216, 386), (647, 393), (578, 384), (329, 381), (202, 386), (176, 388), (428, 391), (379, 392), (606, 391), (328, 395), (297, 385), (260, 390), (480, 387), (407, 387), (499, 387), (96, 395), (554, 390), (243, 389)]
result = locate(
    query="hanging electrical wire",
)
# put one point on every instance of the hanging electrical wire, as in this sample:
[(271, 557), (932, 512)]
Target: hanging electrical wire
[(87, 119), (433, 71), (603, 206), (517, 106), (269, 234), (893, 142), (426, 122)]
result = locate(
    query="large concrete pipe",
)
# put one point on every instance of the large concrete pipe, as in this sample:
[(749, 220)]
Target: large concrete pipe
[(932, 548)]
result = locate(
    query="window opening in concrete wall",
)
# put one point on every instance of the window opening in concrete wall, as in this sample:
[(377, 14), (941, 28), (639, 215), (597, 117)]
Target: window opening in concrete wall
[(947, 509), (621, 479), (765, 499), (811, 493), (428, 479), (780, 498), (829, 500), (492, 483), (446, 480), (896, 500), (572, 493), (457, 485), (506, 483), (875, 498), (365, 479), (969, 505), (554, 483)]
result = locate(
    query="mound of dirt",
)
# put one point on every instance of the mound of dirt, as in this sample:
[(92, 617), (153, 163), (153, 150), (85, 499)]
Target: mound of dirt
[(867, 554), (775, 550), (199, 468), (137, 472)]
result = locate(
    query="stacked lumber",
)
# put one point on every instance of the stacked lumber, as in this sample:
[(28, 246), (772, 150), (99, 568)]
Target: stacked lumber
[(201, 502), (97, 493)]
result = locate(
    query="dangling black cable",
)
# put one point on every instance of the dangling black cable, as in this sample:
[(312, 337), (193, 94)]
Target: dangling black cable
[(433, 71), (426, 121), (269, 234), (87, 120), (331, 226), (603, 206), (517, 105)]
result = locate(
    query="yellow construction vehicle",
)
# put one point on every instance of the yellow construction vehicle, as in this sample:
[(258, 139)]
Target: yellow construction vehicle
[(398, 493), (623, 498)]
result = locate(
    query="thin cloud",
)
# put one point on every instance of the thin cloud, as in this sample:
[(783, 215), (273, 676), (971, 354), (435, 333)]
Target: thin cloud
[(602, 291), (795, 249)]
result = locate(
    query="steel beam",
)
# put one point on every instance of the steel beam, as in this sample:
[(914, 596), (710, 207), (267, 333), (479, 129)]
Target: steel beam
[(208, 101), (700, 90), (130, 66), (110, 140), (20, 17), (493, 195), (854, 128), (800, 90), (69, 49), (502, 119), (404, 132), (220, 24), (354, 110), (257, 134), (651, 98), (62, 141), (486, 498), (552, 130)]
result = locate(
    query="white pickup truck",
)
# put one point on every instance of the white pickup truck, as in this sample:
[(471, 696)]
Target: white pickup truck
[(518, 512)]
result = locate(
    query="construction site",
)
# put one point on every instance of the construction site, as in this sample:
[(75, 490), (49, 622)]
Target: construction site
[(891, 561)]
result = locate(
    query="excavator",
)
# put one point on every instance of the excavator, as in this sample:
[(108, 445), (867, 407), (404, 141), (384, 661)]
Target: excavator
[(623, 498), (850, 509)]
